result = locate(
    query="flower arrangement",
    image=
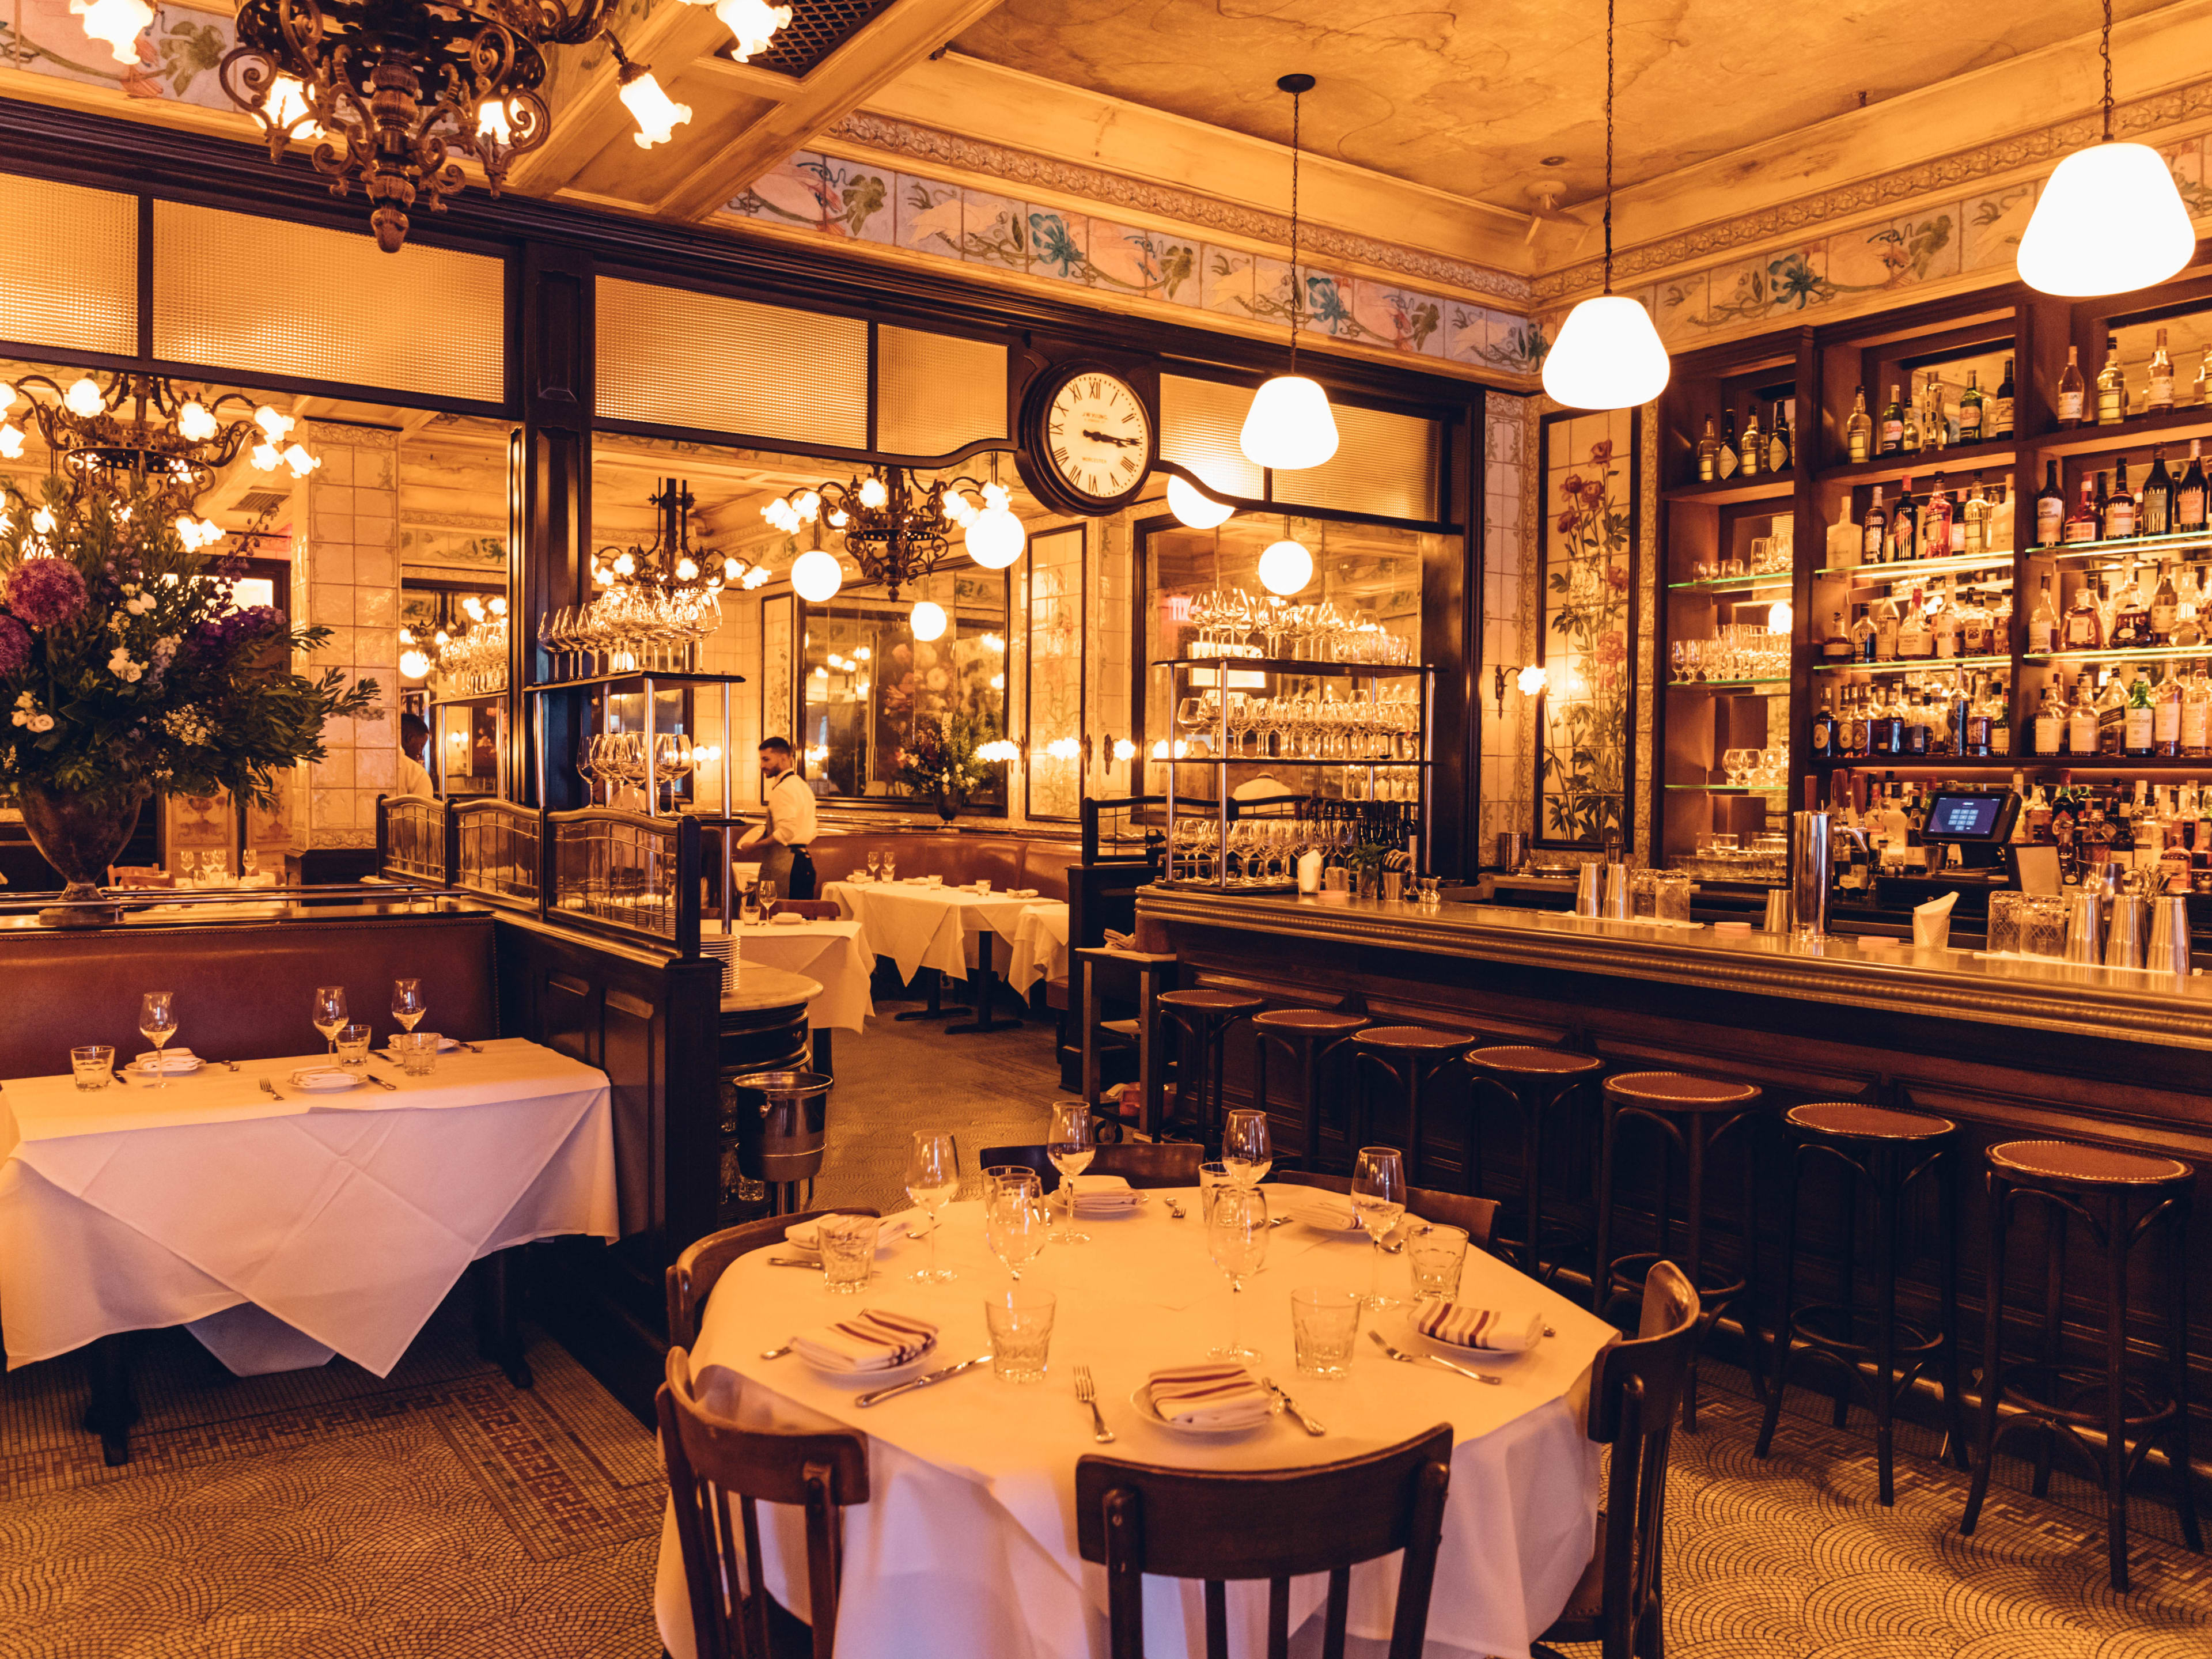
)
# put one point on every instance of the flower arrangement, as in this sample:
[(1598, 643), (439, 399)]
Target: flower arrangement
[(943, 758), (124, 666)]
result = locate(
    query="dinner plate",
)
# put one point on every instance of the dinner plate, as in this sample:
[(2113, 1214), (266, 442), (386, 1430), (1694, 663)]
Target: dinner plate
[(173, 1064), (1322, 1219), (1114, 1213), (1142, 1399), (888, 1374), (1411, 1339), (323, 1082)]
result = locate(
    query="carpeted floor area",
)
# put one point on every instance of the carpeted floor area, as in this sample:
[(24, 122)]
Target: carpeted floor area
[(440, 1514)]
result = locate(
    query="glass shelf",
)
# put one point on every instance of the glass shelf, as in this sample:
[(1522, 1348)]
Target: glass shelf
[(1906, 569), (1731, 788), (1286, 666), (2181, 541), (1715, 584), (1272, 760), (1917, 665), (1725, 685), (2126, 654)]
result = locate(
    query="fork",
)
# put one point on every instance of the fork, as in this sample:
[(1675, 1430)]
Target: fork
[(1173, 1208), (269, 1089), (1087, 1392), (789, 1342), (1382, 1342)]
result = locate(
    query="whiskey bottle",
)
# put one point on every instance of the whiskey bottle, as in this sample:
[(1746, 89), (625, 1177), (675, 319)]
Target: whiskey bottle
[(1778, 439), (1858, 429), (2043, 623), (1823, 746), (1903, 524), (1893, 420), (1970, 411), (2154, 504), (1709, 453), (2196, 717), (1916, 437), (2081, 524), (2112, 715), (2165, 607), (2084, 627), (2081, 718), (1978, 626), (1999, 418), (1935, 522), (2049, 724), (1725, 463), (1865, 637), (1888, 620), (2166, 717), (2111, 386), (2136, 725), (2188, 494), (1836, 645), (2070, 389), (2120, 506), (1971, 530), (1916, 640), (1752, 452), (2159, 394), (1943, 626), (2130, 627), (1874, 546), (2049, 508)]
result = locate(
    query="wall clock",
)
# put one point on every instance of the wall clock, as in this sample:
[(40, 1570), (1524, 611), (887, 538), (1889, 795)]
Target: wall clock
[(1089, 439)]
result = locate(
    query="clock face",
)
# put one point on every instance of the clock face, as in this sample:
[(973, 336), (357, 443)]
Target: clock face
[(1099, 436)]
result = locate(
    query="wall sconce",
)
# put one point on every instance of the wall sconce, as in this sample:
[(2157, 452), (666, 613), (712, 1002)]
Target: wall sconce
[(1124, 749), (1531, 679)]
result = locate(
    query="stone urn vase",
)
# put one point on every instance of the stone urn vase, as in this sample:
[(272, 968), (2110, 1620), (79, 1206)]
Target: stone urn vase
[(948, 804), (80, 836)]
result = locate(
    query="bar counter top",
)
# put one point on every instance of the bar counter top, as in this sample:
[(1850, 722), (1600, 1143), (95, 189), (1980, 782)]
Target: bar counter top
[(1836, 970)]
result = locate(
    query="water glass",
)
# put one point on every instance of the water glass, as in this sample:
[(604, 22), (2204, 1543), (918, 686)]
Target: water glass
[(1437, 1252), (353, 1044), (1016, 1223), (1211, 1177), (93, 1066), (417, 1052), (1020, 1321), (1247, 1148), (1324, 1324), (408, 1003), (848, 1252)]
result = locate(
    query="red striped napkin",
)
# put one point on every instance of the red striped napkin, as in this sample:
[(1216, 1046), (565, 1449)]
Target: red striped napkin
[(1465, 1327), (870, 1340), (1209, 1396)]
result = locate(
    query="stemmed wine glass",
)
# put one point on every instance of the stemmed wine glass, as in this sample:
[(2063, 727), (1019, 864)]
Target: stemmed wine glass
[(932, 1179), (328, 1011), (1378, 1197), (408, 1003), (1237, 1235), (157, 1023), (1071, 1143), (1247, 1147), (1016, 1221)]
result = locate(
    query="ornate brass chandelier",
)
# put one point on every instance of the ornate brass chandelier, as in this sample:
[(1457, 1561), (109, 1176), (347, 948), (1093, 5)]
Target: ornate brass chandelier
[(141, 433), (671, 564), (898, 528)]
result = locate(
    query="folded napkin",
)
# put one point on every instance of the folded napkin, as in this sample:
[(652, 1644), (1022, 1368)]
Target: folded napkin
[(1318, 1208), (807, 1235), (1465, 1327), (1120, 941), (789, 919), (1102, 1195), (870, 1340), (1210, 1397), (1021, 892), (328, 1077), (172, 1059)]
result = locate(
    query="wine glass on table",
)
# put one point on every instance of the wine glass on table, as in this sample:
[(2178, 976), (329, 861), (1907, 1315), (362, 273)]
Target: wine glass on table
[(1247, 1147), (1237, 1235), (932, 1180), (328, 1011), (1071, 1142), (1378, 1198), (157, 1023), (1016, 1222), (408, 1005)]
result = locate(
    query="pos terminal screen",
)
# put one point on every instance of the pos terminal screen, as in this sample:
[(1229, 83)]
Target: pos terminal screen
[(1963, 817)]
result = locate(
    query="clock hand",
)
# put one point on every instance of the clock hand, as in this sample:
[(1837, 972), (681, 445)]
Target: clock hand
[(1108, 438)]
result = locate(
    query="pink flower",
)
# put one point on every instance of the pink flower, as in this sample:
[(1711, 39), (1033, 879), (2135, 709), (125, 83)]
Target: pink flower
[(1568, 520), (14, 646), (44, 593), (1573, 486), (1595, 490), (1601, 451), (1618, 575), (1611, 647)]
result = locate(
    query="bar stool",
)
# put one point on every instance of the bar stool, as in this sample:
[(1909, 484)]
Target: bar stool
[(1410, 1056), (1537, 1081), (2119, 1197), (1693, 1114), (1891, 1151), (1205, 1018), (1307, 1036)]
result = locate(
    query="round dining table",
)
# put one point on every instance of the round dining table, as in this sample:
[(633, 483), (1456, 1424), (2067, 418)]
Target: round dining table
[(966, 1548)]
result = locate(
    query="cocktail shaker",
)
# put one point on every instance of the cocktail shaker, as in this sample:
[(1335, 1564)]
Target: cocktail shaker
[(1620, 902), (1812, 867), (1778, 912), (1588, 889), (2124, 932), (2169, 934), (2085, 927)]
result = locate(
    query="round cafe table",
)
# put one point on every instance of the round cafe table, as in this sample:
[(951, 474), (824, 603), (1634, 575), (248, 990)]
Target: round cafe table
[(966, 1548)]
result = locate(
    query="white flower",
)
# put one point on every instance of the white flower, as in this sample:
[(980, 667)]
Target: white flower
[(165, 648), (124, 666), (115, 620), (19, 718), (138, 604), (42, 723), (27, 701)]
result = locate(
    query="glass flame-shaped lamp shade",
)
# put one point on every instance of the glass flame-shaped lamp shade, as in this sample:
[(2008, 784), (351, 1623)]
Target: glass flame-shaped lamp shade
[(1195, 507), (927, 621), (1289, 426), (1608, 356), (1285, 566), (754, 22), (657, 114), (2109, 221), (119, 22), (816, 576)]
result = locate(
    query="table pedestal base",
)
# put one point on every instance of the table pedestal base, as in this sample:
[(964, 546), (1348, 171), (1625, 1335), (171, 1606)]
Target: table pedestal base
[(986, 984), (113, 1406)]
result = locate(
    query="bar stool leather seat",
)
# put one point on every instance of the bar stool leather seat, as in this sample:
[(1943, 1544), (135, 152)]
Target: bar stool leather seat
[(1864, 1122), (1314, 1022), (1538, 1082), (1410, 1056), (2076, 1164), (1678, 1091), (1307, 1036), (1220, 1002), (1206, 1016), (1525, 1060), (1413, 1039)]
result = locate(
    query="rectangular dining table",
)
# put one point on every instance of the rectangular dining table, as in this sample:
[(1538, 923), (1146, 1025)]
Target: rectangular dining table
[(918, 926), (282, 1229)]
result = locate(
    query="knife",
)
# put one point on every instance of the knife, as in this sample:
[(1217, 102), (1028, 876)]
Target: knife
[(378, 1081), (923, 1382), (1292, 1406)]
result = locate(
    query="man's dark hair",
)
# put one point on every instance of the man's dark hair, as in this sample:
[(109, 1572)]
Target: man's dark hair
[(781, 746), (413, 728)]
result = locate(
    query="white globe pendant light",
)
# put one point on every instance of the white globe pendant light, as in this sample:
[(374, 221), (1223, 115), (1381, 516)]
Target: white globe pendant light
[(996, 535), (2109, 220), (816, 576), (1607, 355), (1195, 508), (1286, 566), (927, 621), (1290, 426)]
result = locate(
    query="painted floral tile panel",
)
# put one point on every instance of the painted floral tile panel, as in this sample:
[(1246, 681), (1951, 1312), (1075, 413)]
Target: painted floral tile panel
[(174, 57), (1589, 540), (929, 217)]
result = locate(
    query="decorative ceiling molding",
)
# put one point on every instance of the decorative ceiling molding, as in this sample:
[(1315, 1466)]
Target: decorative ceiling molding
[(1943, 172), (878, 132)]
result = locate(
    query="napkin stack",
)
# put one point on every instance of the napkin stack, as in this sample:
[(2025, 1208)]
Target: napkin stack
[(872, 1340), (1318, 1208), (1210, 1397), (807, 1235), (170, 1060), (308, 1077), (1465, 1327), (1021, 892), (789, 919), (1102, 1195)]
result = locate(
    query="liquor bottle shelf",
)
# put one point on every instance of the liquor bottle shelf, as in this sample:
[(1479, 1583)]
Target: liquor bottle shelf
[(2125, 654), (2200, 766), (1916, 666), (2156, 426), (1730, 788), (1725, 685), (2180, 542), (1728, 492), (1881, 468), (1906, 569), (1722, 584)]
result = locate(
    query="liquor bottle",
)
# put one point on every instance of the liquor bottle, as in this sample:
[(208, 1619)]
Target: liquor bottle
[(2000, 631), (2197, 721), (1943, 626), (1915, 640), (2130, 625), (2188, 616), (2070, 389), (1874, 546), (2154, 504), (1856, 738), (1836, 645), (2049, 508), (1916, 437), (1824, 731), (2165, 607), (2000, 706), (1886, 724), (1725, 463), (2084, 626), (2166, 717), (1999, 538), (1892, 422), (1903, 524), (1709, 451), (1777, 440), (1970, 531), (1858, 429), (1752, 452), (2049, 724), (2120, 506), (1916, 728), (2081, 719), (2188, 498), (1864, 636), (1999, 418), (1935, 515), (1977, 627), (1887, 619), (2043, 625), (1970, 411), (2111, 386), (2112, 715), (2160, 392), (2081, 524), (1934, 424), (2138, 725), (2107, 607)]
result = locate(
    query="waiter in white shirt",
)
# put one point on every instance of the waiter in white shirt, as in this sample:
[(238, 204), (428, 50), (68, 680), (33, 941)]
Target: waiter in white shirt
[(414, 743), (790, 826)]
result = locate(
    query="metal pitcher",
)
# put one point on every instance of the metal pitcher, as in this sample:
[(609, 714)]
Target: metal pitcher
[(2124, 932), (1778, 912), (1812, 868), (1620, 897), (1588, 889), (2169, 935), (2085, 927)]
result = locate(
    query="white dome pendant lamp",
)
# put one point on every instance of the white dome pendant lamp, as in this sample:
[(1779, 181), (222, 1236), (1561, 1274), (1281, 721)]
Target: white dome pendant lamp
[(1289, 427), (2109, 221), (1607, 355)]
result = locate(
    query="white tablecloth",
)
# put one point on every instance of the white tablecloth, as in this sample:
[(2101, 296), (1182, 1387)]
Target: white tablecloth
[(834, 954), (1039, 946), (919, 927), (343, 1218), (966, 1549)]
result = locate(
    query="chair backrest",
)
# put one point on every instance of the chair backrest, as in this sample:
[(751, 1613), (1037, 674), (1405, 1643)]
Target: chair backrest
[(1476, 1216), (1635, 1394), (1140, 1162), (712, 1461), (1218, 1525), (139, 875), (812, 909), (691, 1279)]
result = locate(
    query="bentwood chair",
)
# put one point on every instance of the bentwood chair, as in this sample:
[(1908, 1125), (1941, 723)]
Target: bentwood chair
[(713, 1462), (1140, 1162), (692, 1279), (1275, 1524), (1476, 1216), (1635, 1392)]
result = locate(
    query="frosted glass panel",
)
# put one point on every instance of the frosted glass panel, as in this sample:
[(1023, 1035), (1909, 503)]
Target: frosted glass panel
[(1385, 463), (69, 266), (935, 392), (1199, 423)]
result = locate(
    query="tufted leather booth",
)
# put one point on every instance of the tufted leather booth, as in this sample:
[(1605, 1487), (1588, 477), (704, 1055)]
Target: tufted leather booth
[(242, 988), (1008, 860)]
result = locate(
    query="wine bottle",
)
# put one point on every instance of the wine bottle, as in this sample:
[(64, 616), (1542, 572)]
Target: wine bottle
[(1858, 429), (2160, 392), (2070, 389), (2111, 386), (2049, 508), (1970, 411), (2120, 506), (1709, 448), (1999, 418), (2154, 504), (1892, 424), (2189, 500)]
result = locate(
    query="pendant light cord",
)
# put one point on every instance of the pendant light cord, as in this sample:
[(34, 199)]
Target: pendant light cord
[(2104, 51), (1297, 288), (1608, 139)]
